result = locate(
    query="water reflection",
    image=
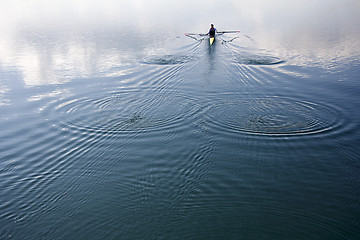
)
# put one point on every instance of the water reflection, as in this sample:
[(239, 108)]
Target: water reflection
[(63, 40), (52, 60), (3, 101)]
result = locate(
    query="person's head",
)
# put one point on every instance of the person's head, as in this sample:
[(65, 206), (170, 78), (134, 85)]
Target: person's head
[(212, 25)]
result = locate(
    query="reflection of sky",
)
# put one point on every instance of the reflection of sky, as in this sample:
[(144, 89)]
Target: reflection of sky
[(52, 42)]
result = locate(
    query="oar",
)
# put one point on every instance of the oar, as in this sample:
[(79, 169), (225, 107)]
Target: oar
[(220, 32), (229, 32), (203, 34)]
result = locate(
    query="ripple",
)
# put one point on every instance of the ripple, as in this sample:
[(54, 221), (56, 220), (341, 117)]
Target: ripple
[(251, 219), (257, 60), (167, 59), (274, 116), (251, 56), (124, 112)]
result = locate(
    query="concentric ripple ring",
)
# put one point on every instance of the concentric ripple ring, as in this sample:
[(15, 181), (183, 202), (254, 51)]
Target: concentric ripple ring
[(275, 116)]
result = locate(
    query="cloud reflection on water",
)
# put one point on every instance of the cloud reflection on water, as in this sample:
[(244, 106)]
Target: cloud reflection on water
[(54, 42)]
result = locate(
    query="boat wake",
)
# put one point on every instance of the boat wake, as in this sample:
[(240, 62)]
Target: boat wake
[(167, 59), (257, 59)]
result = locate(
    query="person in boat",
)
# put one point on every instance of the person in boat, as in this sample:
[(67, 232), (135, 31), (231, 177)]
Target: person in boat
[(212, 31)]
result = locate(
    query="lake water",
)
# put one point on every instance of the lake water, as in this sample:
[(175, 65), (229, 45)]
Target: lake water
[(116, 125)]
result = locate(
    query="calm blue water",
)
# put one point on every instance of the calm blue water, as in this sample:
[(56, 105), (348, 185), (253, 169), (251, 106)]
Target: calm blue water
[(115, 125)]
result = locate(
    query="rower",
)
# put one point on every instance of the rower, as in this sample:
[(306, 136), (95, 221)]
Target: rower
[(212, 31)]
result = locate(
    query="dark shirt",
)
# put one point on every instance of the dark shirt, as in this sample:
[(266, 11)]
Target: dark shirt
[(212, 32)]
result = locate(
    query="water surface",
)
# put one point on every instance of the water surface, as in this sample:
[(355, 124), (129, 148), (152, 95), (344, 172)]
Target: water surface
[(115, 125)]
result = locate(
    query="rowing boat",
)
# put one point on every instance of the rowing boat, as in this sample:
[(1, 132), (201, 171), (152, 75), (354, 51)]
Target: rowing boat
[(211, 39)]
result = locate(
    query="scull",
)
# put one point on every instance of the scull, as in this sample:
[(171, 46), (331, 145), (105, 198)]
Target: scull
[(211, 39)]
